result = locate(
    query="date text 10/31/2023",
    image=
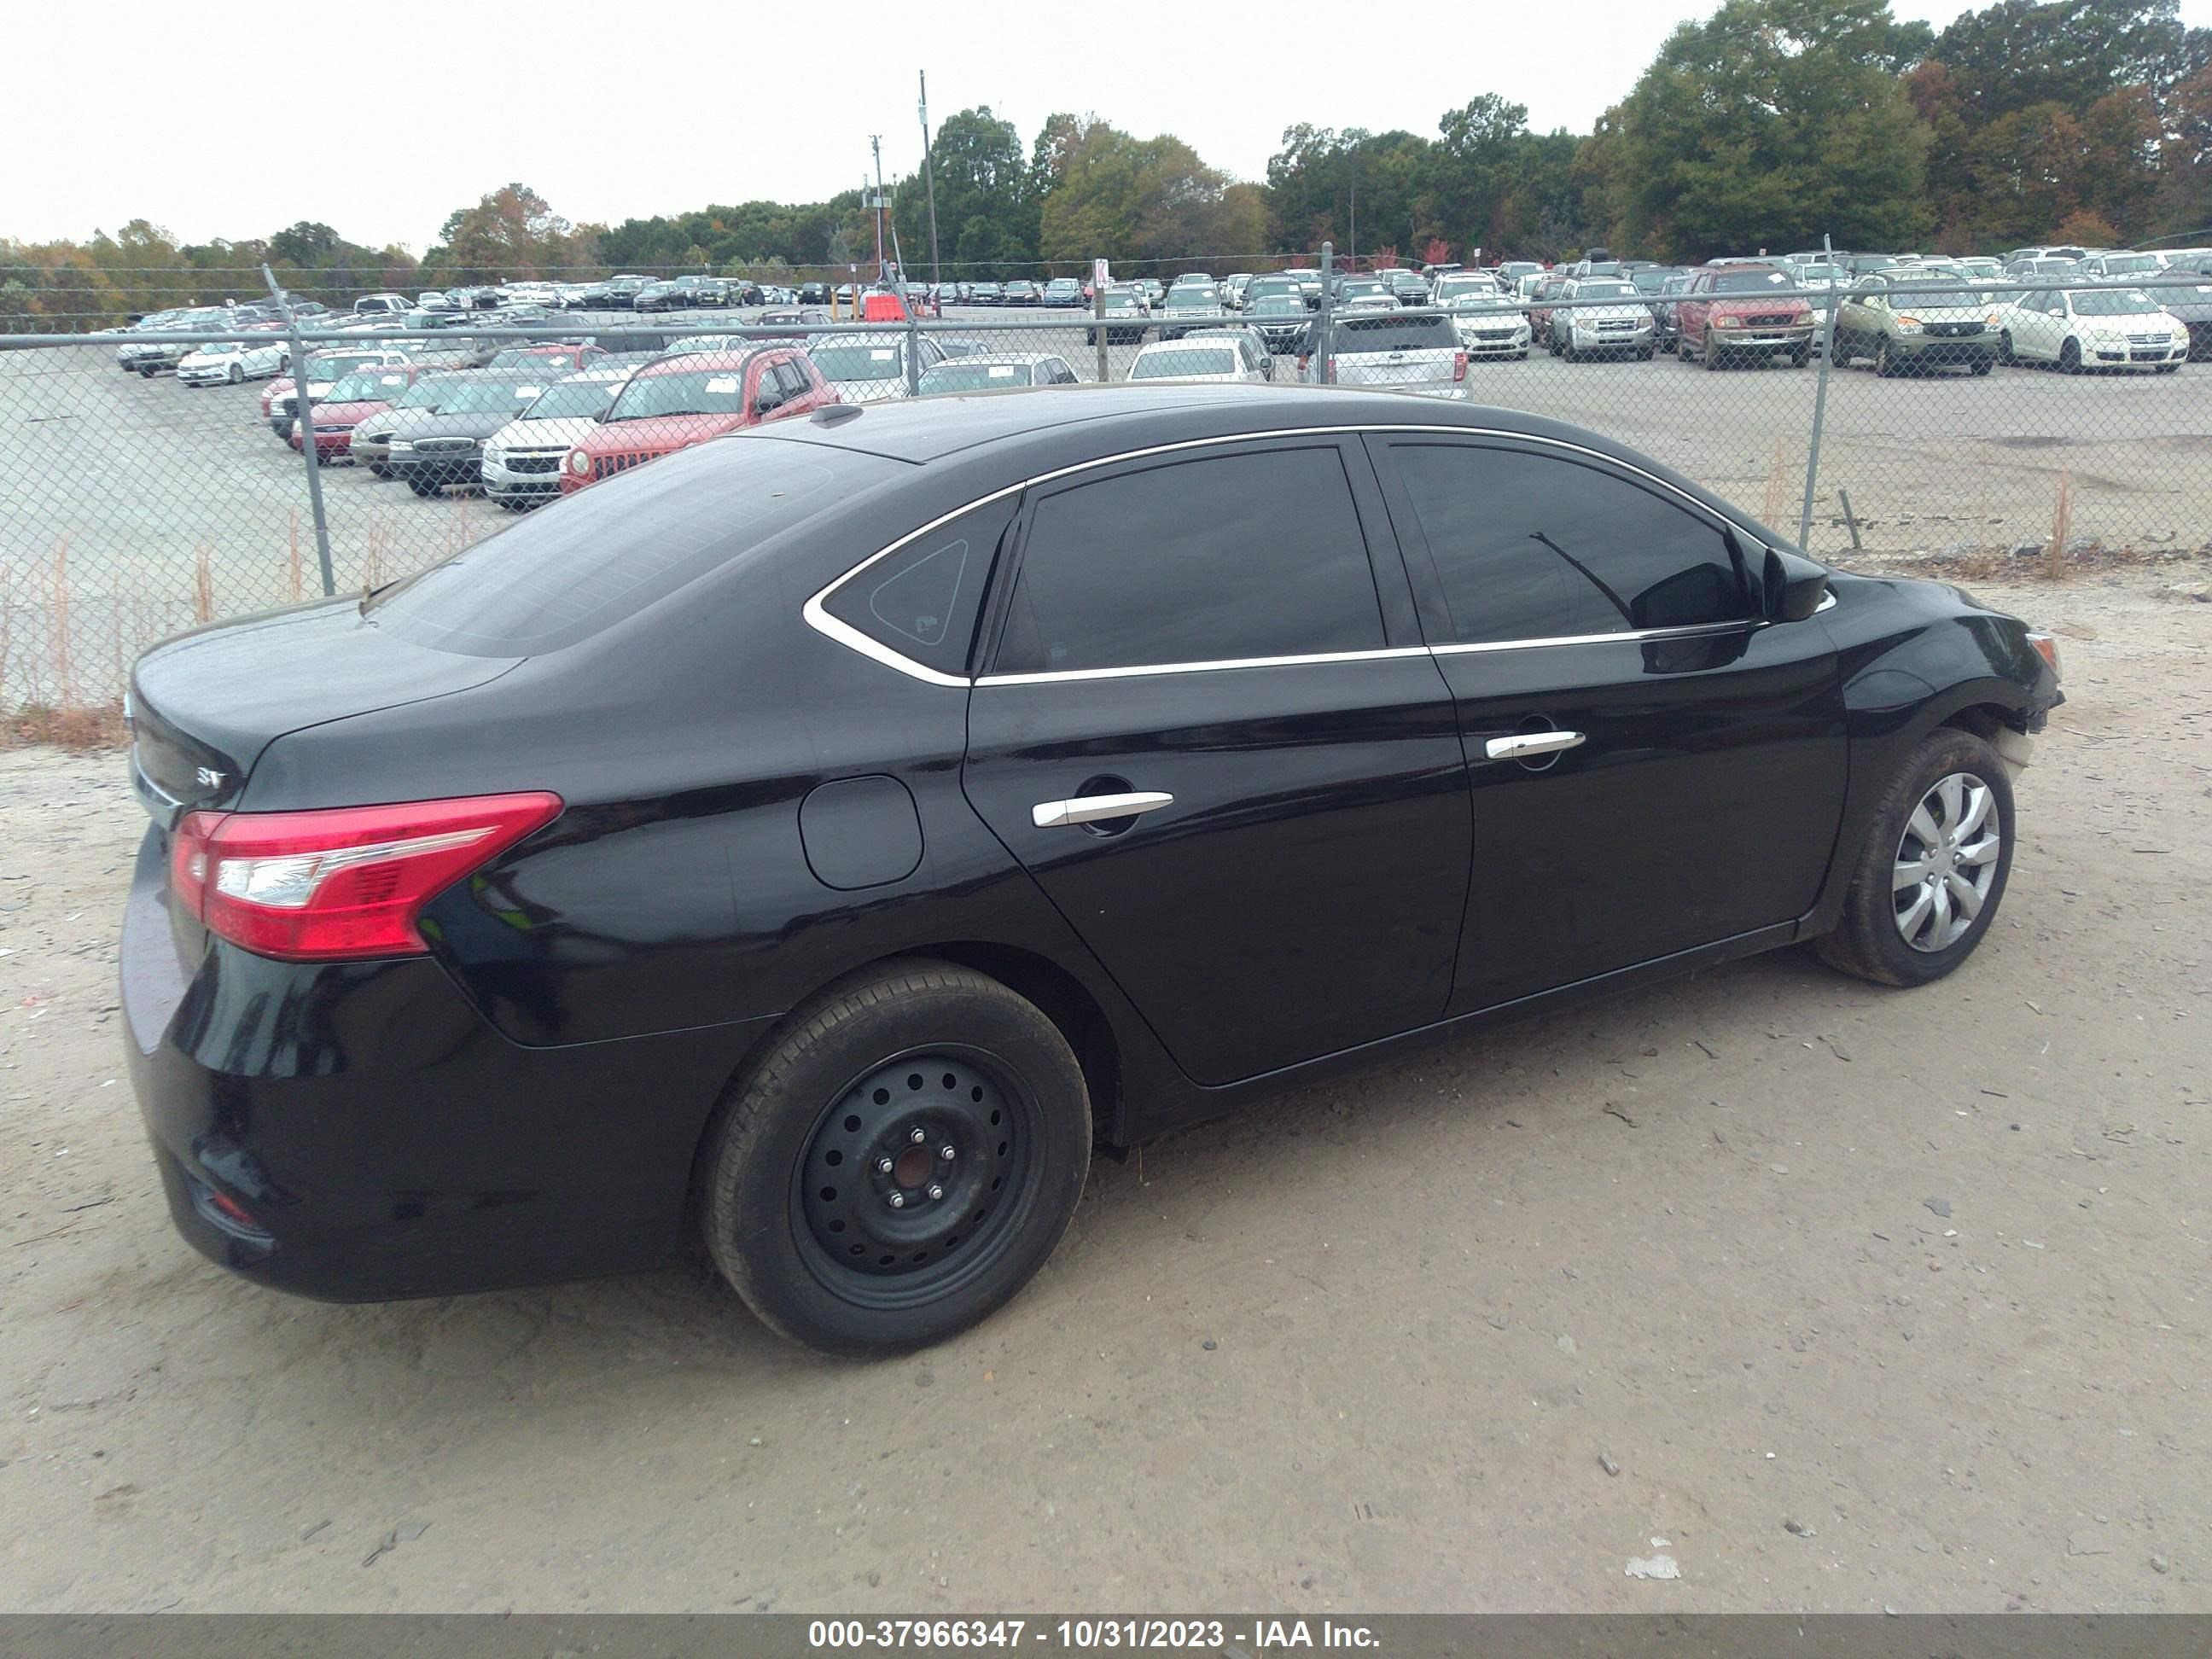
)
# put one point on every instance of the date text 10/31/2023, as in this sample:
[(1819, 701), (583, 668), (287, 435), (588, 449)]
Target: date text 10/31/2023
[(1085, 1634)]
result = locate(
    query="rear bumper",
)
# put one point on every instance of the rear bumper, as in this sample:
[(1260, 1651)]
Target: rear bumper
[(361, 1133)]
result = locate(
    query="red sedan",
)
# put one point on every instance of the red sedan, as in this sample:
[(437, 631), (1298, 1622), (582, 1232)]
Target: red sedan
[(364, 392)]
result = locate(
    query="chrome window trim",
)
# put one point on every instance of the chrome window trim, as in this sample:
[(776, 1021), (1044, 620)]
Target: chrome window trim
[(1628, 635), (850, 637), (1136, 669)]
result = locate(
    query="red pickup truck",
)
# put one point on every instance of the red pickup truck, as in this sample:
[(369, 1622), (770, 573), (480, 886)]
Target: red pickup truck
[(1732, 313)]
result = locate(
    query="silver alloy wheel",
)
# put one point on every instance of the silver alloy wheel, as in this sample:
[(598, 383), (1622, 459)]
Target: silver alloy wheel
[(1946, 861)]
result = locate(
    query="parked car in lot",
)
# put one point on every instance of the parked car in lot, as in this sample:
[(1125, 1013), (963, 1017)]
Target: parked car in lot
[(2185, 294), (436, 448), (1281, 282), (2096, 328), (1609, 318), (658, 296), (986, 293), (1407, 288), (681, 401), (1005, 371), (787, 322), (280, 404), (150, 351), (1207, 355), (1188, 306), (1127, 318), (1281, 319), (1917, 325), (2122, 267), (1417, 352), (868, 368), (521, 463), (1489, 325), (362, 395), (548, 361), (1665, 318), (1743, 314), (813, 293), (1022, 292), (371, 444), (1064, 292), (1538, 292), (233, 362), (693, 867)]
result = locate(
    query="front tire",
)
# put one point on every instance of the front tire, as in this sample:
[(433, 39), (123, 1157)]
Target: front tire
[(897, 1067), (1933, 871), (1885, 365), (1710, 353), (2069, 357)]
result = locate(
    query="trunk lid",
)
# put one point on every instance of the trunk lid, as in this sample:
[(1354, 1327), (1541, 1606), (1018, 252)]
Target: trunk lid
[(205, 705)]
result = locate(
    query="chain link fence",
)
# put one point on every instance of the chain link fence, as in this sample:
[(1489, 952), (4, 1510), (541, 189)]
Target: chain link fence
[(150, 480)]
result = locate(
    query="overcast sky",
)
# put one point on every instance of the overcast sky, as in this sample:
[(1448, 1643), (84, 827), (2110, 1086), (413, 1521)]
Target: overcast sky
[(130, 109)]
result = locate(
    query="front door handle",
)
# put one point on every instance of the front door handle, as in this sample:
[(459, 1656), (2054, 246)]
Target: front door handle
[(1521, 744), (1091, 809)]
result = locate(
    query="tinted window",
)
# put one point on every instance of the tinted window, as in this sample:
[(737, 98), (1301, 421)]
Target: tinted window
[(1529, 547), (1210, 560), (923, 600), (1395, 333), (565, 573)]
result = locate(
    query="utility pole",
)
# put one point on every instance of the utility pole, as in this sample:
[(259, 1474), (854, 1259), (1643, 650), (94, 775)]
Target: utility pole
[(876, 143), (1351, 255), (929, 179)]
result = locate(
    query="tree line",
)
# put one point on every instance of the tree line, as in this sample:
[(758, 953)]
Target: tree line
[(1767, 125)]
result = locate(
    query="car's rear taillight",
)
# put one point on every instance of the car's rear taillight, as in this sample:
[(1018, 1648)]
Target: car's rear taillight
[(341, 883), (1459, 365)]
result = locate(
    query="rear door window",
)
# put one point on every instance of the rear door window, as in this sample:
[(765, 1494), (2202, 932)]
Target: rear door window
[(1528, 546), (1220, 558), (1390, 333)]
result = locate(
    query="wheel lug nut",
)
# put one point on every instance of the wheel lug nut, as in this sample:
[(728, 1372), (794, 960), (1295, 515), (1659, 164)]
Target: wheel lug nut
[(917, 1134), (946, 1152), (936, 1191), (883, 1166), (897, 1200)]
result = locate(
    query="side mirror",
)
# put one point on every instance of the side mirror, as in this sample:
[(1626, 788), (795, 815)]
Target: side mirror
[(1794, 586)]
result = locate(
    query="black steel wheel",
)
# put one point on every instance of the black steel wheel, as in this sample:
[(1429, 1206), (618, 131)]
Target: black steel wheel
[(899, 1161)]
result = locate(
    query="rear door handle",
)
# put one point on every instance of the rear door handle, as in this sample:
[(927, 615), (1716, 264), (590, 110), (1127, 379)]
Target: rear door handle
[(1091, 809), (1521, 744)]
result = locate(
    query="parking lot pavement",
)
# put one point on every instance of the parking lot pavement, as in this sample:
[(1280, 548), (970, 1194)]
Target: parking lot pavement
[(1871, 1297)]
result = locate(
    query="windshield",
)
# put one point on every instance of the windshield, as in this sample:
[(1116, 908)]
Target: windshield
[(1183, 360), (1932, 291), (681, 392), (424, 394), (2125, 302), (369, 386), (489, 396), (1750, 281), (1604, 291), (337, 368), (1355, 286), (1483, 302), (537, 358), (1819, 274), (2132, 264), (1651, 282), (973, 374), (1277, 305), (1192, 295), (856, 360), (1130, 302), (1395, 332)]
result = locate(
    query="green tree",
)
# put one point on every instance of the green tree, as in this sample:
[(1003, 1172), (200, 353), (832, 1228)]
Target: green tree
[(987, 204), (1764, 126), (2018, 53)]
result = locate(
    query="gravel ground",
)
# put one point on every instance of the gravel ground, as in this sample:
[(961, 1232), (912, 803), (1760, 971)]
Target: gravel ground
[(1837, 1297)]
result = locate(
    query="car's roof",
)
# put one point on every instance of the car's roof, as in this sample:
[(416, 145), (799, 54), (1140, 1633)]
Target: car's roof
[(981, 359)]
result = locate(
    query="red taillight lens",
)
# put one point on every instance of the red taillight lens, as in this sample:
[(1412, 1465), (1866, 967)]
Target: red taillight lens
[(1459, 365), (347, 882)]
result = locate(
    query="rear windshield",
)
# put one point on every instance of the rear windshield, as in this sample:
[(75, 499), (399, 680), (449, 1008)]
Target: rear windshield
[(858, 360), (974, 375), (1395, 332), (1183, 360), (584, 563)]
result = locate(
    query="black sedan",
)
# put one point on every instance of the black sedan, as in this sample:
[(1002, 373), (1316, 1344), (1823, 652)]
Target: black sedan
[(812, 844)]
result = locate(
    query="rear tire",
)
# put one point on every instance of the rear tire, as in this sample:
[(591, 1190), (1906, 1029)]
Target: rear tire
[(237, 376), (1870, 941), (797, 1210), (2069, 357)]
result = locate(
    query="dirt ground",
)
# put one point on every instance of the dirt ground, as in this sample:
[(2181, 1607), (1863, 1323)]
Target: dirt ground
[(1838, 1298)]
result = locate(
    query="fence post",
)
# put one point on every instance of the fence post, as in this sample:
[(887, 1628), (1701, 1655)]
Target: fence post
[(1324, 345), (1098, 319), (306, 432), (913, 343), (1819, 397)]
